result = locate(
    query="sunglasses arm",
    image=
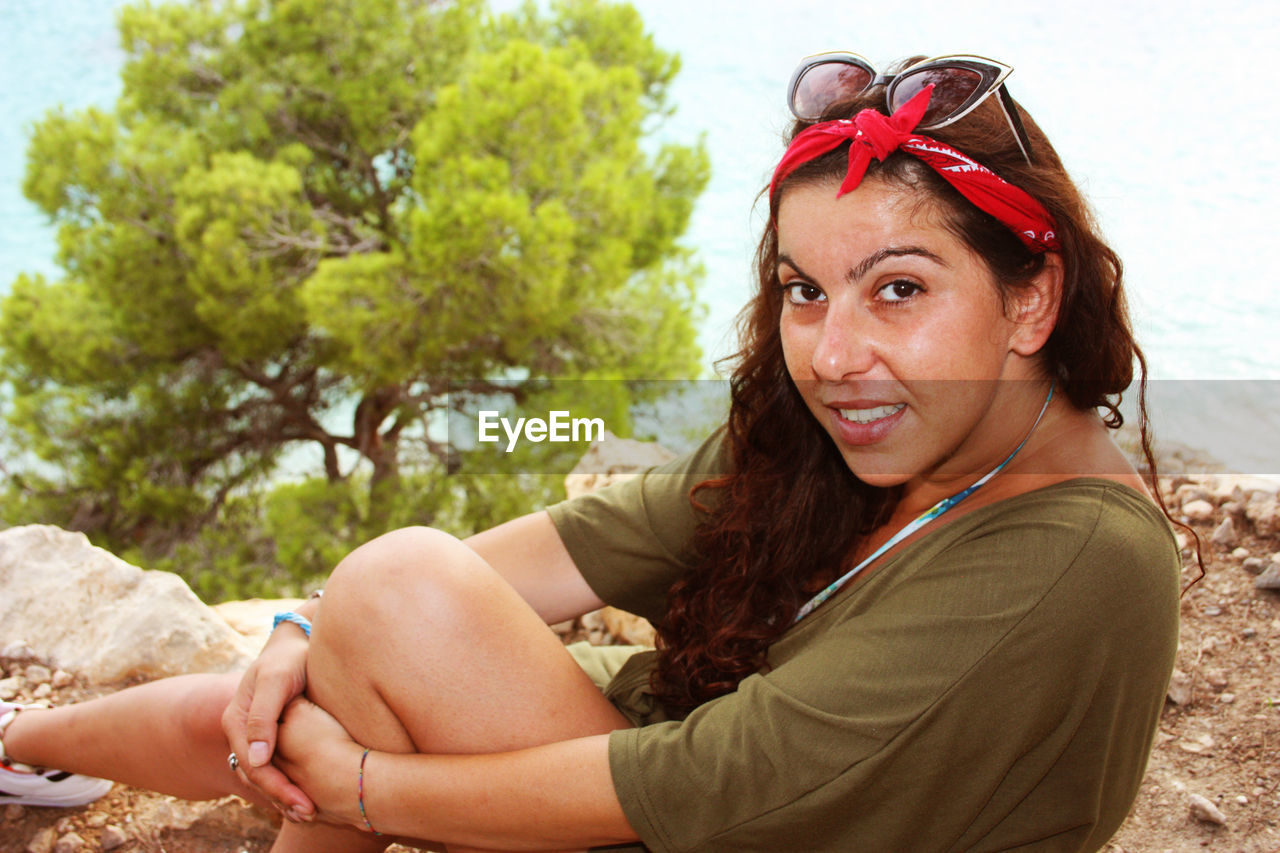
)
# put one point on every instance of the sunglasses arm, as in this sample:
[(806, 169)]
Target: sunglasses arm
[(1010, 111)]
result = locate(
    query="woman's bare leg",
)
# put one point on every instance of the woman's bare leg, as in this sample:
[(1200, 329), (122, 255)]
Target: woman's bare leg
[(419, 646), (163, 736)]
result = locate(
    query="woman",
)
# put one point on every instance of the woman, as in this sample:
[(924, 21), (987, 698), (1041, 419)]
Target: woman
[(911, 597)]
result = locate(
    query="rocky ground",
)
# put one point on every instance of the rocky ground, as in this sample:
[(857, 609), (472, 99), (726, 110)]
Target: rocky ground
[(1213, 781)]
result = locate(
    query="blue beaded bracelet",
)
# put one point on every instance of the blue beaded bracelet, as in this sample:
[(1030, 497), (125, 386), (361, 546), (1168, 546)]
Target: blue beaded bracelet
[(300, 621)]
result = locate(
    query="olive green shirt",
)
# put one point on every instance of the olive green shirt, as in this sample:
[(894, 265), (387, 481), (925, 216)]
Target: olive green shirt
[(993, 685)]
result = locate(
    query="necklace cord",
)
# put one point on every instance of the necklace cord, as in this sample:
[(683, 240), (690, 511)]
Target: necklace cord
[(921, 520)]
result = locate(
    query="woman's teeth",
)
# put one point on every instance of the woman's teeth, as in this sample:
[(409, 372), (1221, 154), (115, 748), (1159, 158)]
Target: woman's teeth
[(866, 416)]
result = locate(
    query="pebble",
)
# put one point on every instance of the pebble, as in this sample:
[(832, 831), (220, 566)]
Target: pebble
[(42, 841), (1240, 553), (1212, 610), (1227, 698), (17, 650), (96, 820), (10, 686), (1254, 565), (43, 691), (1179, 688), (1224, 535), (1198, 510), (37, 674), (1204, 810), (1269, 579), (1191, 492), (1249, 633), (113, 837), (1242, 800), (62, 678), (69, 843)]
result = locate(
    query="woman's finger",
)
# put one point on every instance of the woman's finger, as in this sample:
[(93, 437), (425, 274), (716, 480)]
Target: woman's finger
[(270, 694)]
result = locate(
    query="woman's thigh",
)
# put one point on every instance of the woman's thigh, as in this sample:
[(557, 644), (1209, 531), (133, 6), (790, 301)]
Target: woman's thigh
[(419, 645)]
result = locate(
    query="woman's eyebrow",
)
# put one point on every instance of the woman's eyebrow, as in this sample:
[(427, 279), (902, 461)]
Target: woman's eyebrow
[(879, 255), (870, 261), (784, 258)]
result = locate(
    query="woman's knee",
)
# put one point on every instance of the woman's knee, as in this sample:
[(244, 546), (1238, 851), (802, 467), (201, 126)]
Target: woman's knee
[(416, 573)]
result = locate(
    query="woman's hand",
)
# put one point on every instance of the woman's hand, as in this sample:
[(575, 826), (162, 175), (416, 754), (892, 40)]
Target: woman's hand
[(315, 751), (249, 722)]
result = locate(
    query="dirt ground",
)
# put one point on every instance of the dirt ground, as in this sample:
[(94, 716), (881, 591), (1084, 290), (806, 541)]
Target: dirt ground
[(1220, 741), (1222, 744)]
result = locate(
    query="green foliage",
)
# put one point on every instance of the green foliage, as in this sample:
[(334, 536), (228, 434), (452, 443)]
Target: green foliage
[(329, 223)]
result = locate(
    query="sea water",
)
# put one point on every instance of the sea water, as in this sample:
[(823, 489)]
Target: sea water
[(1159, 113)]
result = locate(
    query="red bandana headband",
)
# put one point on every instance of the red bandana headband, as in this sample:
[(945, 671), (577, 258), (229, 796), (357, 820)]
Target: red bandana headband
[(874, 136)]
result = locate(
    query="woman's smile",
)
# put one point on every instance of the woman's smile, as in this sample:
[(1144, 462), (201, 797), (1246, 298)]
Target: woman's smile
[(863, 423)]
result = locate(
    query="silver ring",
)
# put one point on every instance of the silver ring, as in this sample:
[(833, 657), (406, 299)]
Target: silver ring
[(233, 762)]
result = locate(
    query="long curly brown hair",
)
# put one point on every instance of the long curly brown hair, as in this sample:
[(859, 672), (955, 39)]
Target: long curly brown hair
[(789, 516)]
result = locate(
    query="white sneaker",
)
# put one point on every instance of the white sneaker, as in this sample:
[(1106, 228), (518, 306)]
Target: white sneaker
[(38, 786)]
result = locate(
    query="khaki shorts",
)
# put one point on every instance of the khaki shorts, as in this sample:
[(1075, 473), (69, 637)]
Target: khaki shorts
[(622, 674)]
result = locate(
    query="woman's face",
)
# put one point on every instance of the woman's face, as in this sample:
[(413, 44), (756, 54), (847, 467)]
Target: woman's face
[(894, 332)]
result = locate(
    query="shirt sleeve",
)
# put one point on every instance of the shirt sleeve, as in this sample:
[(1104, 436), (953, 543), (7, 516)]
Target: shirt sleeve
[(631, 540), (942, 705)]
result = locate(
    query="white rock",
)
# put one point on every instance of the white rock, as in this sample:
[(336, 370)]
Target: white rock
[(9, 687), (1203, 809), (37, 674), (113, 837), (17, 650), (1189, 492), (1265, 515), (1225, 534), (1198, 510), (1179, 688), (1240, 553), (69, 843), (43, 691), (88, 611), (1270, 577), (42, 841), (62, 678)]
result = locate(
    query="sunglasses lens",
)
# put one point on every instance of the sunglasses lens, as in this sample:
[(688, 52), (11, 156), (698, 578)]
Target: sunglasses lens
[(953, 88), (826, 84)]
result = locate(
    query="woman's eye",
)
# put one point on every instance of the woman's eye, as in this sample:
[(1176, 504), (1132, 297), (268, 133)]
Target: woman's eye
[(800, 293), (899, 291)]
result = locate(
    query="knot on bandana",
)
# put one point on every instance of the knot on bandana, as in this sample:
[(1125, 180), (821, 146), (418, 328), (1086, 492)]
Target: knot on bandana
[(877, 136), (872, 135)]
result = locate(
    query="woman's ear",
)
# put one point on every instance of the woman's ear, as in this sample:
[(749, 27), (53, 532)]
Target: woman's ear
[(1035, 307)]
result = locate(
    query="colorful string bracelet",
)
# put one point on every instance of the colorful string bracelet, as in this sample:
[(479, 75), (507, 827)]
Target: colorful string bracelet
[(360, 795)]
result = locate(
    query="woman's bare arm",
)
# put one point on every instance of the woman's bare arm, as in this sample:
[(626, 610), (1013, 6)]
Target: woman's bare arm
[(529, 554)]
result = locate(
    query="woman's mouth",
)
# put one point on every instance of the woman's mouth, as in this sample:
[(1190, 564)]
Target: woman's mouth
[(858, 424), (866, 416)]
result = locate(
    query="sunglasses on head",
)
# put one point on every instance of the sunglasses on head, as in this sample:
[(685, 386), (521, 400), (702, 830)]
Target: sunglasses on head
[(960, 84)]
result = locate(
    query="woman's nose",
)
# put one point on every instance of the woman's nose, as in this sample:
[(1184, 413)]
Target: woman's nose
[(845, 348)]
